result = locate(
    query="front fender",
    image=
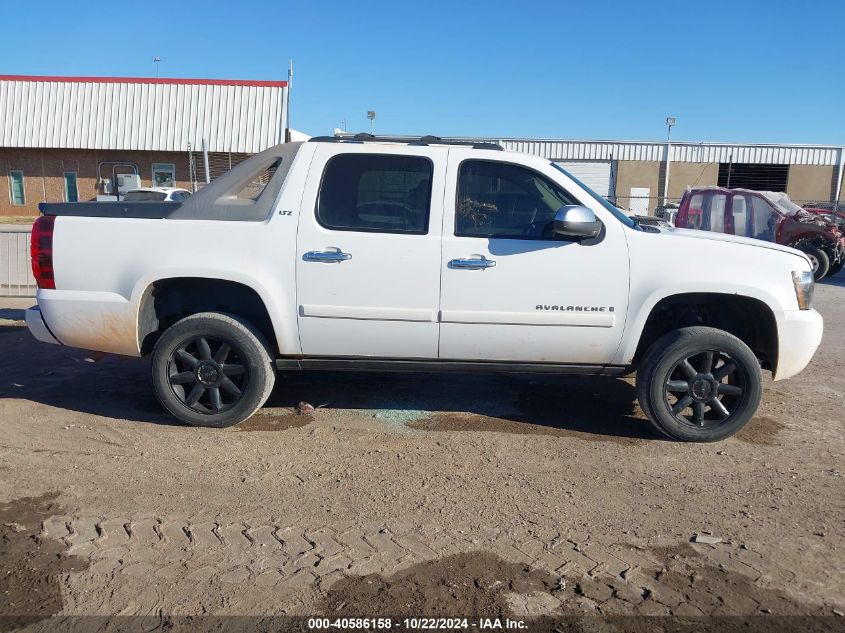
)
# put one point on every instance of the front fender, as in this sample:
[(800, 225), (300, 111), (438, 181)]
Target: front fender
[(635, 324)]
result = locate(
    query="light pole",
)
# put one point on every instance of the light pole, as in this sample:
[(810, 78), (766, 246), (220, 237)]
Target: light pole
[(371, 115), (670, 122), (156, 61)]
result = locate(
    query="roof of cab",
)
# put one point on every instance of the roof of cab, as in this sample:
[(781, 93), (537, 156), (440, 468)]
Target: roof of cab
[(363, 137)]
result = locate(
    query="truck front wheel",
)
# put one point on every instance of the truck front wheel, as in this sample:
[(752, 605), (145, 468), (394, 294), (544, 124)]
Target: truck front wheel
[(819, 260), (699, 384), (212, 369)]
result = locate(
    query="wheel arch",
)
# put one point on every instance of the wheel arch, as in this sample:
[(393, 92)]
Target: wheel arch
[(164, 300), (812, 238), (751, 319)]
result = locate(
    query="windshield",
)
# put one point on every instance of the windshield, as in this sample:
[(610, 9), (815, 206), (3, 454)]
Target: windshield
[(616, 211), (782, 202)]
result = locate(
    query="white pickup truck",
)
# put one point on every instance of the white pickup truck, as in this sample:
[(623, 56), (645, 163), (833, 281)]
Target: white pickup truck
[(422, 255)]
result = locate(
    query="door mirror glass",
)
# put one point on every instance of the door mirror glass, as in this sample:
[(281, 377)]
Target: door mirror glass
[(576, 222)]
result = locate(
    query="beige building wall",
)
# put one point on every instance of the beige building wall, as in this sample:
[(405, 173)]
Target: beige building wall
[(806, 182), (44, 173), (683, 175), (28, 161), (809, 183), (635, 173), (649, 174)]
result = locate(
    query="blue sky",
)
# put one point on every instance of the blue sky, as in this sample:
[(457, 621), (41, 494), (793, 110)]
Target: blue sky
[(743, 71)]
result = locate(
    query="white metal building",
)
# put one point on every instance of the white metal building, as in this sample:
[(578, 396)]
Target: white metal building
[(61, 138), (633, 172)]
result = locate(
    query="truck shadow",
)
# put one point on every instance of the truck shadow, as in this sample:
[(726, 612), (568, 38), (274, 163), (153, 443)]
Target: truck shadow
[(518, 403), (76, 380), (117, 387), (835, 280)]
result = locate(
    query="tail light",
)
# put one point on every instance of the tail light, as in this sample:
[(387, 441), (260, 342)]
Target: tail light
[(41, 251)]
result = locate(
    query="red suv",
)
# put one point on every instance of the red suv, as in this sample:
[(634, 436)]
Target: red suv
[(765, 215)]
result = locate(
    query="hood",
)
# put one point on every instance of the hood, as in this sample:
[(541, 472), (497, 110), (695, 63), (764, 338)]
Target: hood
[(724, 237)]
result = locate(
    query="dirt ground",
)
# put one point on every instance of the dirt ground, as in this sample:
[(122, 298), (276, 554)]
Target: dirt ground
[(410, 495)]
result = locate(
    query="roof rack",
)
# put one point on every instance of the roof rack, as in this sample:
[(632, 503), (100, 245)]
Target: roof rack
[(363, 137)]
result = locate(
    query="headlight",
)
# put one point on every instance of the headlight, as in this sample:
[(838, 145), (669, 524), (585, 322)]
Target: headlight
[(804, 285)]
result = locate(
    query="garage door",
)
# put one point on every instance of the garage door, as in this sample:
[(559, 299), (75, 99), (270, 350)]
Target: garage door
[(596, 174)]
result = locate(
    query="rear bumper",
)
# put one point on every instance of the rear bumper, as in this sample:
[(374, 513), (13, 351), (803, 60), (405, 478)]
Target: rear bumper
[(799, 336), (37, 327), (102, 321)]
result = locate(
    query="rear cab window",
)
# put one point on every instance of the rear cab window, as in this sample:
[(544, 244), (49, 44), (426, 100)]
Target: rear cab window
[(144, 196), (377, 193)]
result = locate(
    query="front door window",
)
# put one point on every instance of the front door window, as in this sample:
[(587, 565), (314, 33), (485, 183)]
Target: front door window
[(764, 219), (504, 200)]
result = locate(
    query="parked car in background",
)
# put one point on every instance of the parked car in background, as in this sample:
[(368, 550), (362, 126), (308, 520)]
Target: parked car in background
[(831, 212), (765, 215), (156, 194), (667, 212)]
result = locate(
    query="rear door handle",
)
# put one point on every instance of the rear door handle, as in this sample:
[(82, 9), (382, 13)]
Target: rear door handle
[(328, 255), (472, 263)]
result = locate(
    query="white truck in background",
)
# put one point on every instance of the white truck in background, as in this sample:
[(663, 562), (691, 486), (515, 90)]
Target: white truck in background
[(423, 255)]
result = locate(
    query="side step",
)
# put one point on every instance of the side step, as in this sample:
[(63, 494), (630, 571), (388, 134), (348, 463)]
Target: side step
[(465, 367)]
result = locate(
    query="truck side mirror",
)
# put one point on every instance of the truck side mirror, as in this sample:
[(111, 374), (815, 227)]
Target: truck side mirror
[(576, 222)]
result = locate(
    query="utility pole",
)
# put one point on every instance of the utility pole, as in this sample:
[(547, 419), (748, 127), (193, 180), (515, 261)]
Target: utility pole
[(287, 103), (156, 61), (670, 122)]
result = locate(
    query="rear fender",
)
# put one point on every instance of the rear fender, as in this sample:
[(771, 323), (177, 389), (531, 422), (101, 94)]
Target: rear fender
[(284, 325)]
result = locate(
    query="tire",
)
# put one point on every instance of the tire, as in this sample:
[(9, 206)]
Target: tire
[(835, 268), (819, 261), (712, 372), (202, 383)]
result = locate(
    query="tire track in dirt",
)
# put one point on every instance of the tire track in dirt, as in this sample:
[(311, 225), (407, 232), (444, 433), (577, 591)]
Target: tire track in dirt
[(328, 562)]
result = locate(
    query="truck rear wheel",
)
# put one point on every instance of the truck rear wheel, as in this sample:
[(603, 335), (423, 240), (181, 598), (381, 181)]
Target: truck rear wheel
[(212, 369), (699, 384)]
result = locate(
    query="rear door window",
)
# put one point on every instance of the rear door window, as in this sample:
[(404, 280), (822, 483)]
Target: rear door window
[(716, 217), (376, 193), (739, 212)]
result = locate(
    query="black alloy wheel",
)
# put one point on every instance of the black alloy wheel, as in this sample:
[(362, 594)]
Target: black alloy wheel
[(705, 389), (207, 374), (699, 384), (212, 369)]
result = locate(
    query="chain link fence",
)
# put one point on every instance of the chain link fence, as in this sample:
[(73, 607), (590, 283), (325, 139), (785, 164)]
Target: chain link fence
[(655, 205)]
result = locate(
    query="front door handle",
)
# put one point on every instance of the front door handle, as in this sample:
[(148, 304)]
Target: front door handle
[(472, 263), (327, 255)]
